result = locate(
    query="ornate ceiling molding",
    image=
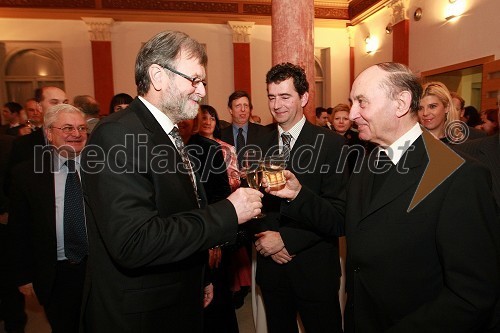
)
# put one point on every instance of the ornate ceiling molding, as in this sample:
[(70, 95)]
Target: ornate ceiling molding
[(48, 4), (99, 28), (241, 31), (203, 11)]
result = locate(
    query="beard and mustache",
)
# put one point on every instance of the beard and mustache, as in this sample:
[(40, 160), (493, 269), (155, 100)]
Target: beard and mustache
[(178, 106)]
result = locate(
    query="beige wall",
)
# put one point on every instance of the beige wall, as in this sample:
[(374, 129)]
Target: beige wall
[(434, 43)]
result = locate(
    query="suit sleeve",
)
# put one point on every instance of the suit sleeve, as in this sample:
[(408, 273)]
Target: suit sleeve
[(140, 213), (467, 242), (320, 211), (19, 231)]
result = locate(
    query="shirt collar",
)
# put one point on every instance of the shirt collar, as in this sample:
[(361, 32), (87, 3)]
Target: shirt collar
[(401, 145), (160, 117), (60, 160), (236, 127), (294, 131)]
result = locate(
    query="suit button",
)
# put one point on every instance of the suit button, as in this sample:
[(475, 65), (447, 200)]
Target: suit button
[(356, 269)]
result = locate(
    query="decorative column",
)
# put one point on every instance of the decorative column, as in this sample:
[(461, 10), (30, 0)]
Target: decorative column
[(401, 31), (350, 33), (293, 41), (241, 53), (100, 37)]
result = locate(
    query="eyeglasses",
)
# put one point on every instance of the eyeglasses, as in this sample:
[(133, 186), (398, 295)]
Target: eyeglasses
[(71, 129), (195, 81)]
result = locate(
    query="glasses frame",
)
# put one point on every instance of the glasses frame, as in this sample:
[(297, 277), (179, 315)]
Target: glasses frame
[(71, 129), (195, 81)]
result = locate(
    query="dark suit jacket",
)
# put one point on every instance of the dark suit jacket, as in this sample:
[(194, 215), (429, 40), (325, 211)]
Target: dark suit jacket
[(23, 149), (32, 224), (255, 131), (147, 237), (487, 151), (431, 269), (208, 160), (314, 271)]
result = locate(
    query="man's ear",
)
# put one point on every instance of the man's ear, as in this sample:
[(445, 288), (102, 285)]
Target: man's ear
[(404, 103), (304, 99), (156, 75), (230, 111)]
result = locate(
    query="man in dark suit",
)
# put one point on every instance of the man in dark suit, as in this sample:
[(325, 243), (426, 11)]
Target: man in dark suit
[(240, 106), (39, 224), (11, 114), (149, 227), (487, 151), (421, 226), (23, 147), (298, 269)]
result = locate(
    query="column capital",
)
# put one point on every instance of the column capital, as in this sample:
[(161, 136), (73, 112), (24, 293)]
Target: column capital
[(99, 28), (399, 10), (350, 35), (241, 31)]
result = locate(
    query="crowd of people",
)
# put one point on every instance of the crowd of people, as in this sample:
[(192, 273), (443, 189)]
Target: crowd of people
[(143, 220)]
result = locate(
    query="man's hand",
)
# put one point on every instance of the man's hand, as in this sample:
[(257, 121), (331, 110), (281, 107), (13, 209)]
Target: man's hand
[(27, 290), (289, 191), (282, 257), (269, 243), (208, 295), (247, 202)]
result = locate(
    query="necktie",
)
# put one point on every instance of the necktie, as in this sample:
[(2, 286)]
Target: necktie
[(286, 138), (75, 234), (179, 144), (240, 140), (384, 167)]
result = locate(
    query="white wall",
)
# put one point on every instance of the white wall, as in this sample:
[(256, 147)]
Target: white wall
[(434, 42), (76, 48), (127, 38)]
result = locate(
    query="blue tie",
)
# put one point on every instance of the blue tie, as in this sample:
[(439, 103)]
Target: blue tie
[(75, 234)]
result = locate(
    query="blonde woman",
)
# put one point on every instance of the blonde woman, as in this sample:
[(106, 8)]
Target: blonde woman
[(438, 114)]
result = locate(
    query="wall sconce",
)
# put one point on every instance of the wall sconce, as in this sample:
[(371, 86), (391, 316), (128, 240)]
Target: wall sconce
[(388, 28), (371, 44), (454, 9)]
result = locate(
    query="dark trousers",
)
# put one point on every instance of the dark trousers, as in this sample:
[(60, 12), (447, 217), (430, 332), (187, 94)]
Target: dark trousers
[(11, 300), (63, 307), (220, 315), (12, 308), (282, 306)]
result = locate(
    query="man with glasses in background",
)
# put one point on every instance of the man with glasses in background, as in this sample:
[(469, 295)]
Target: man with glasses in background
[(47, 232)]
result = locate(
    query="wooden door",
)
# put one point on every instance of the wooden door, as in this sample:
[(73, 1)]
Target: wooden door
[(490, 90)]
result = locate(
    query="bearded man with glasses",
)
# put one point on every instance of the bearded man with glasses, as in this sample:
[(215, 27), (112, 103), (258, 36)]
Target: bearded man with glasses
[(149, 225)]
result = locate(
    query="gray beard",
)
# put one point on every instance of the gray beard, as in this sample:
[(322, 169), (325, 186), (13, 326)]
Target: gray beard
[(176, 107)]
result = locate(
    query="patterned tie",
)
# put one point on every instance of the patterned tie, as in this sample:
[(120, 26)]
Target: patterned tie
[(75, 234), (179, 144), (286, 138)]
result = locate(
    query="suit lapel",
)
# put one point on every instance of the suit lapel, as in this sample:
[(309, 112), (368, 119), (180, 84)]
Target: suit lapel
[(45, 189), (158, 138), (408, 172)]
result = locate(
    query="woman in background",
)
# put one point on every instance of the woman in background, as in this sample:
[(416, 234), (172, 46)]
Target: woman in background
[(489, 123), (217, 165), (119, 102), (437, 112)]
